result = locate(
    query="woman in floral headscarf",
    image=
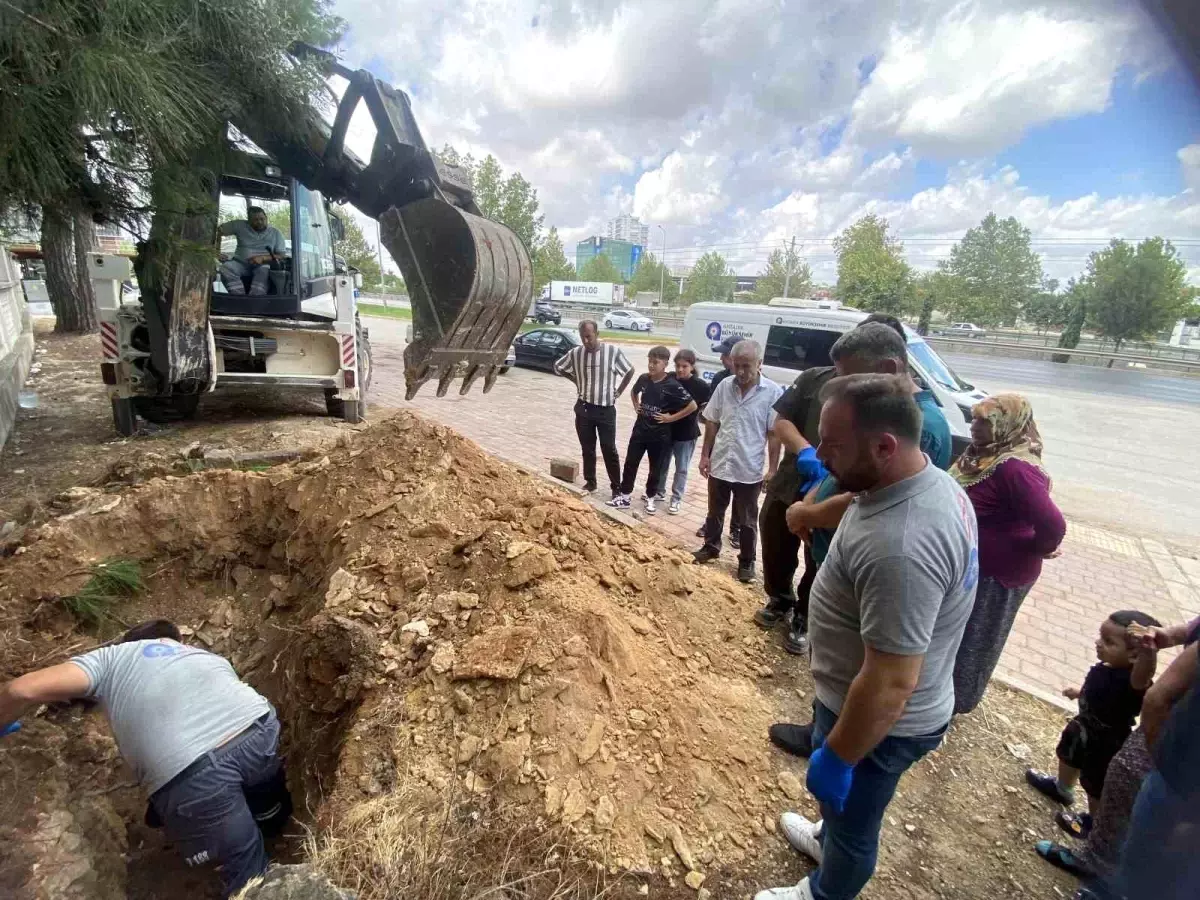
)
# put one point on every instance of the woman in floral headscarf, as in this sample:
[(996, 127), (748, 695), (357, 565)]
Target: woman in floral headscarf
[(1019, 526)]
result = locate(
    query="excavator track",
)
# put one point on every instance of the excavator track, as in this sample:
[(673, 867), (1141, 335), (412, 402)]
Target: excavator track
[(469, 282)]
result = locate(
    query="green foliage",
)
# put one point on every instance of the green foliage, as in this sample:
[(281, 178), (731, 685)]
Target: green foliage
[(112, 581), (600, 268), (1075, 303), (510, 200), (648, 275), (1134, 292), (872, 272), (772, 279), (100, 96), (711, 280), (550, 262), (998, 269), (354, 249), (1048, 308)]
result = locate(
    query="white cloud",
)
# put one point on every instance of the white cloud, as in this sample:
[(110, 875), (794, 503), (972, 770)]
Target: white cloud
[(972, 81), (686, 188), (1189, 158), (738, 123)]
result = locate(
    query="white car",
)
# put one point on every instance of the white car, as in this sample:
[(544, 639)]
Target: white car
[(964, 329), (627, 319)]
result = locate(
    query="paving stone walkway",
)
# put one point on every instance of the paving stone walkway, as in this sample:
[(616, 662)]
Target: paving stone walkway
[(527, 419)]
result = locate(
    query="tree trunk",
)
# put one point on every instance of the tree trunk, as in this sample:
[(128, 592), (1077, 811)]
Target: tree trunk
[(85, 244), (72, 310)]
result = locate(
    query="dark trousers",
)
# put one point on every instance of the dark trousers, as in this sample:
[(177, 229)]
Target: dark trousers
[(780, 550), (659, 451), (207, 814), (593, 421), (850, 839), (745, 514)]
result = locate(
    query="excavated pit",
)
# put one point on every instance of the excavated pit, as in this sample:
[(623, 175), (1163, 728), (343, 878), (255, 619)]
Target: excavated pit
[(432, 625)]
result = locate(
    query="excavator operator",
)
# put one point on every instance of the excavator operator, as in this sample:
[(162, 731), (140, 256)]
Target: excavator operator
[(258, 243)]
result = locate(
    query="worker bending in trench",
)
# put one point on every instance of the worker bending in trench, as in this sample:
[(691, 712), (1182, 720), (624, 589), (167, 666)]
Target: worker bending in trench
[(203, 744)]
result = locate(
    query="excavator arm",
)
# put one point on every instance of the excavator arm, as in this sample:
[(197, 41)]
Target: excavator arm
[(469, 279)]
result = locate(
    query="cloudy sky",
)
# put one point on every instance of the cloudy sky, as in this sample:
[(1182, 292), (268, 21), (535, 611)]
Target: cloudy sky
[(736, 124)]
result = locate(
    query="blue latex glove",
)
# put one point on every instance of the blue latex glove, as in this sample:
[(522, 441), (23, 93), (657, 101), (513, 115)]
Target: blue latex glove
[(829, 778), (812, 471), (10, 729)]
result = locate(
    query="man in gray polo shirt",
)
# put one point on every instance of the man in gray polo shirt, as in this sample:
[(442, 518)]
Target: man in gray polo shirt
[(258, 242), (887, 614), (201, 743)]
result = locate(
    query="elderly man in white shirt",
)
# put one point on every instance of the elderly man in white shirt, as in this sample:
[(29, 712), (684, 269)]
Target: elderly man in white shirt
[(737, 423)]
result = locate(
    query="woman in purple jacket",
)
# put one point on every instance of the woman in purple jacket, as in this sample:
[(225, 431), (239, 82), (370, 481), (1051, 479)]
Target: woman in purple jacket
[(1019, 526)]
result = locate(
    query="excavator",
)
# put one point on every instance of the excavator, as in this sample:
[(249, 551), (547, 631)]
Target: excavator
[(469, 279)]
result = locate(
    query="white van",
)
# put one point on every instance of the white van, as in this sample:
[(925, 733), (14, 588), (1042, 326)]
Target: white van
[(794, 339)]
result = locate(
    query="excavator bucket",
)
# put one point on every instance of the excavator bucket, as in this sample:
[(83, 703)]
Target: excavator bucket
[(469, 280)]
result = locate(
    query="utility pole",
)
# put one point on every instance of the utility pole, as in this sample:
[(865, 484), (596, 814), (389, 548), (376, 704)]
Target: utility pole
[(787, 278), (662, 268), (379, 248)]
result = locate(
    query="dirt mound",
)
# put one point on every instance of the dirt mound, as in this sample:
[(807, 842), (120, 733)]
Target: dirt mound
[(420, 611)]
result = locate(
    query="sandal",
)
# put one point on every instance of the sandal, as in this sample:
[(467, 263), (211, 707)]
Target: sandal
[(1061, 857), (1077, 825)]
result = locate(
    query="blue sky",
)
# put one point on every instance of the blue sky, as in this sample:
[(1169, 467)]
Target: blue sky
[(786, 118)]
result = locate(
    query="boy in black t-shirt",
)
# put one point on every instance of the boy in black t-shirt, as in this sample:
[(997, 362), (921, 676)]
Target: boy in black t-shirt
[(1109, 701), (686, 431), (659, 400)]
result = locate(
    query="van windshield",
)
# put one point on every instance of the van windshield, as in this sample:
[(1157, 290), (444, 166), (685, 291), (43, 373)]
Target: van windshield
[(936, 367)]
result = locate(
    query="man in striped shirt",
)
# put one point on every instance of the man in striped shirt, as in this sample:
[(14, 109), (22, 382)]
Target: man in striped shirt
[(601, 374)]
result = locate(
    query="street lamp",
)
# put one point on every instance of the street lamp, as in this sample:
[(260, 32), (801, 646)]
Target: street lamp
[(662, 268)]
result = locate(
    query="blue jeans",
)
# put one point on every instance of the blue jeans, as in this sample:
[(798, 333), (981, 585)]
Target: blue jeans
[(681, 453), (850, 839), (206, 814), (1160, 858)]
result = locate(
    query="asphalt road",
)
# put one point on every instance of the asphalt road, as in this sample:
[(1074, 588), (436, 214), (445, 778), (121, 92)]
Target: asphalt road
[(1120, 444)]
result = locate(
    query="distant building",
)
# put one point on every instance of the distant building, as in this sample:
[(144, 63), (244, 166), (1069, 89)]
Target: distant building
[(624, 254), (745, 283), (628, 228)]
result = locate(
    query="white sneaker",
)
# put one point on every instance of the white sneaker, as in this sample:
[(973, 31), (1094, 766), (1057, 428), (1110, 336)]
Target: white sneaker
[(802, 835), (673, 509), (651, 505), (799, 891), (621, 501), (660, 496)]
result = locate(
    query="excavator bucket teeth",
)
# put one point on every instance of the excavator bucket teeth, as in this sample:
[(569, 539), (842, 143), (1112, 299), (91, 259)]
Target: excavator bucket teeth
[(469, 281)]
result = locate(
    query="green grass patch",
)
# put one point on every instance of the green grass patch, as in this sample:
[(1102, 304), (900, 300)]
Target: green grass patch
[(112, 581), (386, 312)]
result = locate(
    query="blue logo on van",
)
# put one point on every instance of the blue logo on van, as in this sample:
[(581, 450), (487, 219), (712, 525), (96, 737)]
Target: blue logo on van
[(713, 331)]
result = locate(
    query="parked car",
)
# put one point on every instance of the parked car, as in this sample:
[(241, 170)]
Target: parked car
[(542, 347), (797, 339), (964, 329), (543, 312), (627, 319)]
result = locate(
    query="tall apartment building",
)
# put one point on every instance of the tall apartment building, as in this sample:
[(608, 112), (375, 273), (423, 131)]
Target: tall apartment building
[(628, 228)]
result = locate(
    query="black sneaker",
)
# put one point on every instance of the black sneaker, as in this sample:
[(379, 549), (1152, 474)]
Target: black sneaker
[(589, 487), (706, 554), (774, 612), (796, 639), (735, 539), (793, 739), (746, 572), (701, 531)]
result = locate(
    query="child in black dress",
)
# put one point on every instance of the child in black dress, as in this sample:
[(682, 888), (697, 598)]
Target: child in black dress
[(1109, 701)]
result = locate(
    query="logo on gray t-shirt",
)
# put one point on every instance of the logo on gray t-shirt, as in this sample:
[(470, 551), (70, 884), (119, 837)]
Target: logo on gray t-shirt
[(900, 577)]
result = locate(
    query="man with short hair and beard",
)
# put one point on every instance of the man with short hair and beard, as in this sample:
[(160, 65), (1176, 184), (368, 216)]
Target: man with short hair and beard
[(258, 243), (888, 611)]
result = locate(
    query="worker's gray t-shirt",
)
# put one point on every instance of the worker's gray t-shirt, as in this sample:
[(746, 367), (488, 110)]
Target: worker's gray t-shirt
[(900, 577), (255, 243), (168, 704)]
